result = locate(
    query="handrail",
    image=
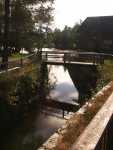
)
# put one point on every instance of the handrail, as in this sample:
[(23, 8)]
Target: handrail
[(98, 134), (76, 57), (80, 53)]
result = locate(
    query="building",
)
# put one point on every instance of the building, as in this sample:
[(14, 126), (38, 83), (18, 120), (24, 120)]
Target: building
[(96, 33)]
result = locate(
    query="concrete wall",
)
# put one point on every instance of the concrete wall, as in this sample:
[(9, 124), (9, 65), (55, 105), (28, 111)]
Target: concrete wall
[(68, 134)]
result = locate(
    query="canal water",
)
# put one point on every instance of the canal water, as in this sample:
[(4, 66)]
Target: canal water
[(38, 127), (64, 90)]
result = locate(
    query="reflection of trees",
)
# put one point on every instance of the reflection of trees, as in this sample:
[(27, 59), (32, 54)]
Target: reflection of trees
[(45, 83)]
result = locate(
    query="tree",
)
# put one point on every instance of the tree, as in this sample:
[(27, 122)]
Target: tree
[(1, 25), (25, 91), (6, 34), (42, 20), (57, 36), (28, 23), (35, 19), (74, 34), (21, 25), (23, 19), (67, 38)]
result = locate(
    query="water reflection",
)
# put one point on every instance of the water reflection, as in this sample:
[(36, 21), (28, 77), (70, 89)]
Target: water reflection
[(38, 127), (34, 132), (64, 89)]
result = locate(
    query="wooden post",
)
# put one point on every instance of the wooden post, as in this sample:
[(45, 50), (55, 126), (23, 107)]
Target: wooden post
[(46, 56), (64, 58), (93, 57), (63, 112), (21, 61), (102, 60)]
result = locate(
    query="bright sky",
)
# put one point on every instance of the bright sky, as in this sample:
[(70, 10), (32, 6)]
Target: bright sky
[(68, 12)]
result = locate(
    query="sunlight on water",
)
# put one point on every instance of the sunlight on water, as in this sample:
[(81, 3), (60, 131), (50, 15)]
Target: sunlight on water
[(64, 89)]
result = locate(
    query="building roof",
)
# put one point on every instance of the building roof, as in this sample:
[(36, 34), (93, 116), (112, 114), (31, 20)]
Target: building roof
[(101, 24)]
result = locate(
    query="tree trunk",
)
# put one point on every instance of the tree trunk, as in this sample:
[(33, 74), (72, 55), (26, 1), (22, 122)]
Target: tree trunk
[(6, 35)]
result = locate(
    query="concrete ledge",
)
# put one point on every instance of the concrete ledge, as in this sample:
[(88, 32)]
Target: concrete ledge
[(51, 143), (92, 134), (68, 134), (11, 69)]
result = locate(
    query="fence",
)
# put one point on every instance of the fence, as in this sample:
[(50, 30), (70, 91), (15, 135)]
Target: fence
[(21, 61), (72, 57)]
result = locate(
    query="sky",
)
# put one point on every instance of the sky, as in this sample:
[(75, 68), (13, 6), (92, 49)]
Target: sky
[(69, 12)]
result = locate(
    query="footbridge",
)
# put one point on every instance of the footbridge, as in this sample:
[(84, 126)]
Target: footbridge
[(73, 58)]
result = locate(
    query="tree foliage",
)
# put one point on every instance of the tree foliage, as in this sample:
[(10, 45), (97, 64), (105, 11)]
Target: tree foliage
[(65, 39), (25, 90), (28, 20)]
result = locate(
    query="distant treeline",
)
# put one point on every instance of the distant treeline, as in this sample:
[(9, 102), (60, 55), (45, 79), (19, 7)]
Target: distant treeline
[(64, 39)]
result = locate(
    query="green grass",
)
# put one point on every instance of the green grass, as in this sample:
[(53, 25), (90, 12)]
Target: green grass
[(106, 74), (17, 55)]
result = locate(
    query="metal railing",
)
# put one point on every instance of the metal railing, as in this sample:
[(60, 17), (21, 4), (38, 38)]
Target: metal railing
[(73, 57)]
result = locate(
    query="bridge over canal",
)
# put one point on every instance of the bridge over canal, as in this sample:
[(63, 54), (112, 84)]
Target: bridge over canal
[(72, 57), (82, 68)]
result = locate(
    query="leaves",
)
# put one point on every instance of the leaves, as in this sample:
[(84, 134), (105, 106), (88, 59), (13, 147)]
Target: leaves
[(25, 90), (65, 39), (25, 18)]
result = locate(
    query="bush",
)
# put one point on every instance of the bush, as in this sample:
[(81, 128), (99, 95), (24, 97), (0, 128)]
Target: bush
[(25, 90)]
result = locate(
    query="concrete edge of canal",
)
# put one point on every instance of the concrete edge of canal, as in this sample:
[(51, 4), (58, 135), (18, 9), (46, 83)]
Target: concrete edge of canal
[(77, 122)]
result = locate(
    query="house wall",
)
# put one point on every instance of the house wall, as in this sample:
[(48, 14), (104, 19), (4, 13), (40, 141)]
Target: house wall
[(95, 42)]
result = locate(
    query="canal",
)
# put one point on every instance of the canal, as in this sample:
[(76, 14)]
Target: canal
[(38, 127)]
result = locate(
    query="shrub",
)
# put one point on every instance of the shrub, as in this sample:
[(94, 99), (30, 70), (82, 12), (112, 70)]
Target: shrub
[(25, 90)]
